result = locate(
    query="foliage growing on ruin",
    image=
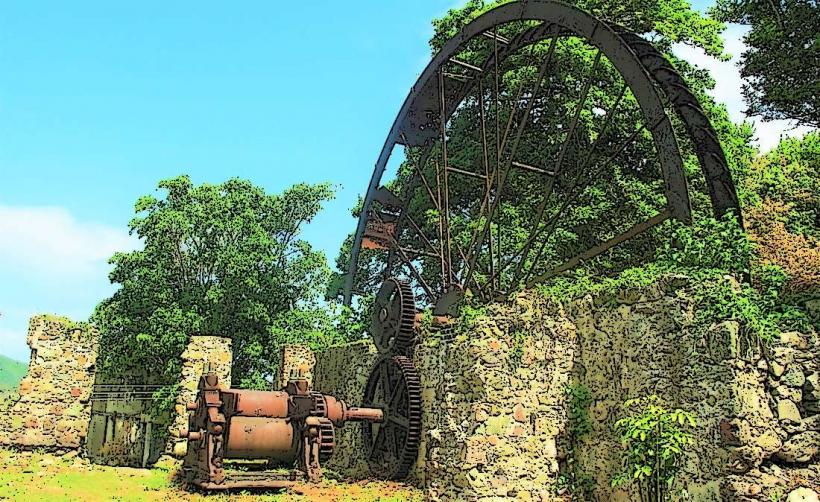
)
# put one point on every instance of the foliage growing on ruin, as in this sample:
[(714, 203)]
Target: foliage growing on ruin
[(224, 259), (572, 478), (580, 399), (655, 440)]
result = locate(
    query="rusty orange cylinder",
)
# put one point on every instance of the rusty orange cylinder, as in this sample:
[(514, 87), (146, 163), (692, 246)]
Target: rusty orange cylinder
[(261, 437), (261, 403)]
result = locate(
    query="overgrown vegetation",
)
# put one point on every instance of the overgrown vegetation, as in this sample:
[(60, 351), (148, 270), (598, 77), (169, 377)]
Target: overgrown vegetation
[(655, 440), (226, 260), (573, 479)]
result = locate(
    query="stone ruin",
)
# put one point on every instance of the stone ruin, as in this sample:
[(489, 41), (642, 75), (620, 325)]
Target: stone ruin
[(125, 428), (496, 421), (64, 406), (53, 407)]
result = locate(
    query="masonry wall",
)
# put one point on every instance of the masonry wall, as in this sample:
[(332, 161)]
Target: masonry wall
[(495, 422), (126, 427), (203, 354), (342, 372), (53, 408), (297, 361)]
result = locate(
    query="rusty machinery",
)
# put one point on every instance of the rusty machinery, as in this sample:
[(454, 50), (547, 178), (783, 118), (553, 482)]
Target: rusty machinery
[(291, 427), (506, 137)]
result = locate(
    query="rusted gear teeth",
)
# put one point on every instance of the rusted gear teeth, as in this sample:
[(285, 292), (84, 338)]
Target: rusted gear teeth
[(319, 404), (411, 446), (394, 312), (327, 440), (401, 428), (406, 336)]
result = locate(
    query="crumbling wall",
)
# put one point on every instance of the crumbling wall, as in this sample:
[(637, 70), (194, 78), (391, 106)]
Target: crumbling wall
[(297, 361), (495, 405), (342, 371), (202, 355), (127, 426), (53, 408)]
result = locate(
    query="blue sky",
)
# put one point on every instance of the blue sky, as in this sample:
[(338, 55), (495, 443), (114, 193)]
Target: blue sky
[(100, 100)]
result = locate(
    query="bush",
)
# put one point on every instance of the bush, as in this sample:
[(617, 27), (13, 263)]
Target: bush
[(655, 439)]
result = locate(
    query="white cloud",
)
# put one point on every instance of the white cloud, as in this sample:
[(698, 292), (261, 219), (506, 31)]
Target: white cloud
[(51, 262), (49, 240), (728, 87)]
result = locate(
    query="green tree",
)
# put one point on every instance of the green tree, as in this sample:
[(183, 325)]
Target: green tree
[(782, 62), (222, 259)]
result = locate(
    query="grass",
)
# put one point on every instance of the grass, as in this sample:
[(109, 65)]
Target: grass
[(40, 476), (11, 372)]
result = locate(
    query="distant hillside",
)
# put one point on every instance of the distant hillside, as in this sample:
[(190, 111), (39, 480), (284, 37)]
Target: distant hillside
[(11, 372)]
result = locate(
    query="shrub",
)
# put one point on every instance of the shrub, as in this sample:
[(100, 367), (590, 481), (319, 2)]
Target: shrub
[(655, 439)]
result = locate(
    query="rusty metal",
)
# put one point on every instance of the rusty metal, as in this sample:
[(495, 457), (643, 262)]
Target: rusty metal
[(440, 274), (392, 444), (293, 428), (394, 311)]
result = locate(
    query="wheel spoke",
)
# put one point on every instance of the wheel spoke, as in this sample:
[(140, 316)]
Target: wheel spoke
[(558, 166), (604, 246), (408, 263), (502, 176)]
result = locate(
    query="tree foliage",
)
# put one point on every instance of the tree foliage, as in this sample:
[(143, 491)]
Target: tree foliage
[(223, 259), (782, 62), (783, 211)]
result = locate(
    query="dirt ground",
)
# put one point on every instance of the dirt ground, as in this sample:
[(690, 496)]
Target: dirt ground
[(35, 476)]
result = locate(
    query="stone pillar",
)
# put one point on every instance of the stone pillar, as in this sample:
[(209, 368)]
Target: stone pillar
[(203, 354), (54, 406), (296, 361)]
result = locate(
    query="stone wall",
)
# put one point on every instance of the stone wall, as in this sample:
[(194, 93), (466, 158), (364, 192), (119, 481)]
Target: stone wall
[(342, 372), (495, 422), (202, 355), (53, 408), (127, 428), (297, 361)]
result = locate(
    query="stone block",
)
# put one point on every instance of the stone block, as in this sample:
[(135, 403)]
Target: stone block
[(801, 448), (788, 411)]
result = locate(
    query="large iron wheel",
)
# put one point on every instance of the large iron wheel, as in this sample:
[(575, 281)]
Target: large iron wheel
[(392, 446), (502, 151)]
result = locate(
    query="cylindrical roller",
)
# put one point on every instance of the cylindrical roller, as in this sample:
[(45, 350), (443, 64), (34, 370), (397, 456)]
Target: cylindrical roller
[(261, 437), (365, 414), (339, 412), (259, 403)]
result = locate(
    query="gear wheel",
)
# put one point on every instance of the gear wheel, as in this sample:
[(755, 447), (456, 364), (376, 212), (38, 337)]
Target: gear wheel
[(319, 405), (327, 440), (394, 313), (393, 445)]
